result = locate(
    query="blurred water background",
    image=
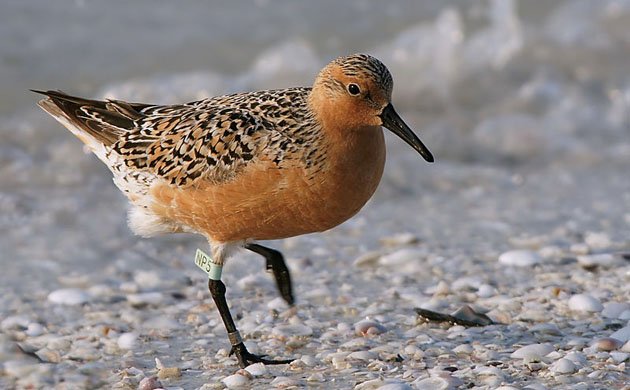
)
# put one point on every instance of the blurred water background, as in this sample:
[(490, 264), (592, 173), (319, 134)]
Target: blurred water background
[(524, 103)]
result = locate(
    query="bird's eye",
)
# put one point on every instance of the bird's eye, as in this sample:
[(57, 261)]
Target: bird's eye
[(353, 89)]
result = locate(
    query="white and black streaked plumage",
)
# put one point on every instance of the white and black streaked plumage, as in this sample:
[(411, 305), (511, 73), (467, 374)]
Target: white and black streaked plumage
[(249, 166)]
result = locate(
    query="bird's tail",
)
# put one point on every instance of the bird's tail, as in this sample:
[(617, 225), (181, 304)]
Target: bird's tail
[(97, 123)]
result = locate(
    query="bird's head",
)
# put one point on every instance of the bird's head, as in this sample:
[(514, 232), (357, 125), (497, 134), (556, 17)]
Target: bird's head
[(355, 92)]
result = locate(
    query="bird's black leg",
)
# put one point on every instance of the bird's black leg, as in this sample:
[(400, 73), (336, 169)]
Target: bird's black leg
[(276, 264), (217, 289)]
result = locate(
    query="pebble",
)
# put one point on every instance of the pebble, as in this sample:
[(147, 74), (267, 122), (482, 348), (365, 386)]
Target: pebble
[(432, 383), (395, 386), (48, 355), (18, 368), (362, 355), (34, 329), (622, 334), (149, 383), (597, 240), (69, 296), (532, 351), (607, 344), (546, 328), (619, 357), (520, 258), (17, 322), (576, 357), (626, 347), (277, 304), (148, 279), (367, 259), (308, 360), (598, 260), (236, 381), (370, 384), (615, 309), (292, 330), (402, 257), (585, 302), (463, 349), (127, 340), (399, 239), (368, 327), (143, 299), (283, 382), (167, 372), (256, 369), (486, 291), (316, 377), (563, 366)]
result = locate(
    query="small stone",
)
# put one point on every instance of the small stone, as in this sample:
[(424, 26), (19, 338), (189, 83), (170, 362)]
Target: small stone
[(532, 352), (563, 366), (127, 340), (18, 322), (619, 357), (597, 240), (433, 383), (236, 381), (316, 377), (69, 296), (367, 259), (576, 357), (615, 309), (546, 328), (626, 347), (463, 349), (167, 372), (585, 303), (467, 313), (309, 360), (277, 304), (597, 260), (607, 344), (579, 249), (48, 355), (149, 383), (370, 384), (486, 291), (283, 382), (362, 355), (622, 334), (256, 369), (18, 368), (399, 239), (402, 257), (292, 330), (143, 299), (440, 289), (147, 279), (520, 258), (368, 327), (395, 386), (34, 329)]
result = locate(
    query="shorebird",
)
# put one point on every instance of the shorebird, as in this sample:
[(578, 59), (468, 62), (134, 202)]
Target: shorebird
[(246, 167)]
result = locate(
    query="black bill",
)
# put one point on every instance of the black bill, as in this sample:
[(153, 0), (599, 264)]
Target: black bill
[(393, 122)]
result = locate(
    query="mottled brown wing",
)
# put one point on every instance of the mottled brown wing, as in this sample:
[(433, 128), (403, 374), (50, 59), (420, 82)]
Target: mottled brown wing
[(184, 144)]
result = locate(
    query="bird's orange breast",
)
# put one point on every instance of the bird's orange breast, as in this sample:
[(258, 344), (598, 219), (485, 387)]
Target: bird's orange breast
[(267, 201)]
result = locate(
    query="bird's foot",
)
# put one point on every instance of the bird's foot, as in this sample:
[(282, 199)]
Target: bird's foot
[(245, 358), (283, 280)]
